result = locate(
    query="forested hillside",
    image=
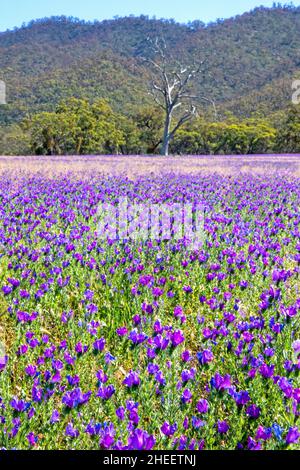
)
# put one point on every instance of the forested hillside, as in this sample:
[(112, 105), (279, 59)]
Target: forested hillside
[(51, 59)]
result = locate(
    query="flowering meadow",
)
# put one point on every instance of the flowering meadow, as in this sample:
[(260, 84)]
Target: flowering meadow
[(119, 344)]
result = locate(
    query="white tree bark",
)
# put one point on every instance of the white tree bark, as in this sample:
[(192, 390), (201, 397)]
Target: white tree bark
[(171, 90)]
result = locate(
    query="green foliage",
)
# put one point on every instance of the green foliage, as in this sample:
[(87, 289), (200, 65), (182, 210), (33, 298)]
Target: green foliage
[(14, 140), (76, 127), (288, 139), (149, 121), (246, 137)]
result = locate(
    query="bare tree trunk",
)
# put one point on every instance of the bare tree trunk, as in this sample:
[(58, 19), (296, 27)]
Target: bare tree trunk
[(165, 147), (166, 137), (171, 90)]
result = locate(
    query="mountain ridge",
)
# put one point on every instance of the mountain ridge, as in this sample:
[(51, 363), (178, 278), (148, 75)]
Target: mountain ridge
[(247, 56)]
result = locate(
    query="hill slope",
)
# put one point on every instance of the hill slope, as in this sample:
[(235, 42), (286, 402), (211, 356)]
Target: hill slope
[(250, 60)]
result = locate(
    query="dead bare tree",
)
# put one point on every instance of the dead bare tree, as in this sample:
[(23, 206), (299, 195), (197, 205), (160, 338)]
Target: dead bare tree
[(172, 90)]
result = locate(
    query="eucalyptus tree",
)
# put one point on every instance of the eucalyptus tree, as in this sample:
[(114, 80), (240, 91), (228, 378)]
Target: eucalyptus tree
[(172, 88)]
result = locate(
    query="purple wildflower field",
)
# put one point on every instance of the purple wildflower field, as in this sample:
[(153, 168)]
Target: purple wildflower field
[(125, 344)]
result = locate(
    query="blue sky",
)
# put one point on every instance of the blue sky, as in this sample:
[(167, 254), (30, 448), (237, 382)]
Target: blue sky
[(15, 12)]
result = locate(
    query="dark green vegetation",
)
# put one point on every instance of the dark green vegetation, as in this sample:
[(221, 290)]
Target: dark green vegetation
[(250, 63)]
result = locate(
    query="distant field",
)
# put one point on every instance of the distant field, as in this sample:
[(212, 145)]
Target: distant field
[(142, 165)]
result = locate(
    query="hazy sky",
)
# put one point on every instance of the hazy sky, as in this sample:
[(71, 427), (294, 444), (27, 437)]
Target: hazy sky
[(15, 12)]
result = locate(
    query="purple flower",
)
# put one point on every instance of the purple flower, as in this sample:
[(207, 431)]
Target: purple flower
[(37, 394), (31, 370), (32, 439), (152, 368), (80, 349), (253, 411), (89, 294), (75, 398), (99, 344), (122, 331), (107, 440), (202, 406), (3, 362), (160, 342), (178, 311), (71, 431), (296, 346), (108, 358), (188, 375), (55, 417), (222, 427), (24, 294), (253, 445), (242, 398), (205, 357), (157, 292), (106, 392), (186, 396), (263, 433), (137, 338), (188, 289), (168, 429), (25, 317), (177, 338), (91, 309), (140, 440), (221, 383), (31, 413), (289, 312), (197, 423), (101, 376), (7, 290), (56, 378), (132, 380), (293, 436), (186, 356), (267, 371), (136, 320), (19, 405), (120, 412), (243, 284)]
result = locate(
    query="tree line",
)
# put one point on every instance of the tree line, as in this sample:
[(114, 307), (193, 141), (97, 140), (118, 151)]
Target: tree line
[(78, 127)]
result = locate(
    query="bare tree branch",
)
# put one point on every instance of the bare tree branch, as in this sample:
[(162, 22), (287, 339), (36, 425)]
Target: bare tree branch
[(186, 117), (172, 88)]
